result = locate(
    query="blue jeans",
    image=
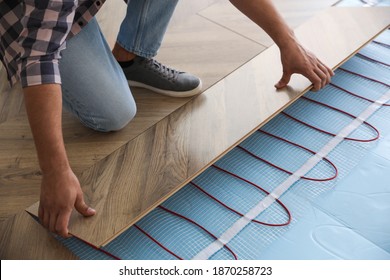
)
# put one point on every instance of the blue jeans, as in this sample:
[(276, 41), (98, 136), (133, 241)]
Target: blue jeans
[(94, 88)]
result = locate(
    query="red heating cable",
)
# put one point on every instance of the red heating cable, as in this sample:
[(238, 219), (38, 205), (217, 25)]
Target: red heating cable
[(235, 211), (381, 43), (330, 133), (363, 76), (97, 248), (198, 225), (85, 242), (157, 242), (372, 59), (258, 187), (289, 172), (354, 94), (188, 220)]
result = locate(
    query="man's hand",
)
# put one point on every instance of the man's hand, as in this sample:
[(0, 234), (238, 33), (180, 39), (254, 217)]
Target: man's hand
[(60, 192), (60, 189), (296, 59)]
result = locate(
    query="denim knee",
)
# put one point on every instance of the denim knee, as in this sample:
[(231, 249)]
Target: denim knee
[(118, 118)]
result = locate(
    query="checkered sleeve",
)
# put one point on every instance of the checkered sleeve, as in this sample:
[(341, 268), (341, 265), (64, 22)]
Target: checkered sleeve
[(46, 24)]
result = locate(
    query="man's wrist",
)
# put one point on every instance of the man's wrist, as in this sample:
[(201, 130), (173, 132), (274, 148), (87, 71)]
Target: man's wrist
[(286, 40), (55, 165)]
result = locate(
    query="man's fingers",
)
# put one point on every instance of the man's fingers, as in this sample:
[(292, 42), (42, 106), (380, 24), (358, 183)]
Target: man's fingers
[(284, 80), (40, 212), (61, 226), (323, 77), (52, 222), (315, 79), (46, 219), (330, 71), (82, 207), (326, 71)]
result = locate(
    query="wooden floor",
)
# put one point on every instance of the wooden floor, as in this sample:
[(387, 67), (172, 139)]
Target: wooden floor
[(220, 51)]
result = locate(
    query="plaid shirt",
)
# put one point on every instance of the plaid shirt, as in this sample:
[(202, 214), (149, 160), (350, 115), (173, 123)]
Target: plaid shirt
[(33, 33)]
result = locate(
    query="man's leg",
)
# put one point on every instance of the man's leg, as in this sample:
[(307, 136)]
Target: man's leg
[(138, 41), (94, 87)]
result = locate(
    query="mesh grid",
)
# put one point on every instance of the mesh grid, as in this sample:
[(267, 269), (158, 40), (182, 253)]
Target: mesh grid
[(375, 51), (83, 250), (186, 240), (384, 37), (327, 119), (217, 223), (357, 85), (286, 155), (254, 239), (239, 195), (367, 68), (131, 245)]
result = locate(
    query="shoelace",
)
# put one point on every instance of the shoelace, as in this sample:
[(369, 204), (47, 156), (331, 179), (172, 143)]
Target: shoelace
[(163, 70)]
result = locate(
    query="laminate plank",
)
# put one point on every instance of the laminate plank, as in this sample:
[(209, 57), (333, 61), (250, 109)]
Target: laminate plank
[(205, 49), (110, 25), (11, 99), (110, 17), (212, 58), (33, 242), (133, 180), (188, 8), (295, 12)]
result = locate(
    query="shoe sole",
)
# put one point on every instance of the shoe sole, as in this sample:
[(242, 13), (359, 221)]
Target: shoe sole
[(170, 93)]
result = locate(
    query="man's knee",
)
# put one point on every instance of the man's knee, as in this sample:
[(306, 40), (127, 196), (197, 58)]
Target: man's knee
[(118, 118)]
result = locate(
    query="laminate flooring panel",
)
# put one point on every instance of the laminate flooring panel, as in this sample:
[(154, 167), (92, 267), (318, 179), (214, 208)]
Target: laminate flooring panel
[(196, 45), (187, 8), (110, 25), (33, 242), (130, 182), (295, 12), (206, 49), (11, 99)]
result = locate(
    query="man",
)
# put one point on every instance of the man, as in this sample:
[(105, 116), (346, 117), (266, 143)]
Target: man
[(57, 52)]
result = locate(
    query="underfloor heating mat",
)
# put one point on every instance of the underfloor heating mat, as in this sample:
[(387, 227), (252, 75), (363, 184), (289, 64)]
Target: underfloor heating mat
[(313, 183)]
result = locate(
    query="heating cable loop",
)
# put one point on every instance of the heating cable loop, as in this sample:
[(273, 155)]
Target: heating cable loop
[(274, 196), (222, 241), (330, 133), (239, 225), (237, 212), (295, 145), (305, 168)]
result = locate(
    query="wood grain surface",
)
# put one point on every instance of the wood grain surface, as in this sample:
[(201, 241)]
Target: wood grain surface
[(22, 238), (294, 13), (130, 182), (211, 58)]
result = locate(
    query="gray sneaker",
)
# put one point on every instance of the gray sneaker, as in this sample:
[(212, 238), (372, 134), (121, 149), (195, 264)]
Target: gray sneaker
[(151, 74)]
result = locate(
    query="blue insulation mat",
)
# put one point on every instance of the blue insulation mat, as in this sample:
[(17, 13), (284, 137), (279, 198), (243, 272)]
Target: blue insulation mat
[(346, 217)]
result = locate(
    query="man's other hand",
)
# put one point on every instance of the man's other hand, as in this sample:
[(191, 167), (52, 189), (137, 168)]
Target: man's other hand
[(60, 192)]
